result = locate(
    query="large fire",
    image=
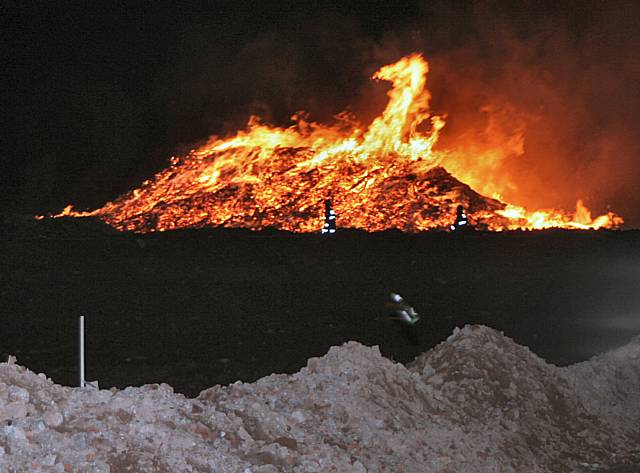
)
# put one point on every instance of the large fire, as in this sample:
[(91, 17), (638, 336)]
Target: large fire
[(386, 175)]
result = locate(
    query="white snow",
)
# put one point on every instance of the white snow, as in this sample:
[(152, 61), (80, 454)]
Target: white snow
[(477, 402)]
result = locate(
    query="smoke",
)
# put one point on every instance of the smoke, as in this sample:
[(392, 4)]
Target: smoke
[(552, 84), (541, 100), (557, 86)]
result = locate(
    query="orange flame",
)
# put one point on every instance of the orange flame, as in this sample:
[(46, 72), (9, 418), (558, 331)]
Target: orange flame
[(386, 175)]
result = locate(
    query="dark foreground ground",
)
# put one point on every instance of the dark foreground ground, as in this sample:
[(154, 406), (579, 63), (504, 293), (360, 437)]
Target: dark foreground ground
[(199, 308)]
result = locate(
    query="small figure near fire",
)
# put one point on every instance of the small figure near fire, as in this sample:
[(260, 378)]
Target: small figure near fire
[(329, 218), (462, 221)]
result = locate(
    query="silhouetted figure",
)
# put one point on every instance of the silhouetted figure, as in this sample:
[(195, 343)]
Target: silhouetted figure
[(329, 227), (462, 221)]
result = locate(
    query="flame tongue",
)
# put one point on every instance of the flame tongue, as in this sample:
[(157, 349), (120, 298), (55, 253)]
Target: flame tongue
[(381, 178), (407, 108)]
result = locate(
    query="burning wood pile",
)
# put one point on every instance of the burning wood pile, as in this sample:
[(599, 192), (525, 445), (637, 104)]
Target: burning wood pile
[(387, 175)]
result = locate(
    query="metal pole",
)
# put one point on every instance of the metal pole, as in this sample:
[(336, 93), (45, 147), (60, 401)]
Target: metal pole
[(82, 382)]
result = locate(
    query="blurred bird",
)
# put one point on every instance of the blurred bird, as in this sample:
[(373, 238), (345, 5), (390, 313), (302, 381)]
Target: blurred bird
[(401, 310)]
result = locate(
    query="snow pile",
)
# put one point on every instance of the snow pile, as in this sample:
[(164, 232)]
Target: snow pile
[(478, 402)]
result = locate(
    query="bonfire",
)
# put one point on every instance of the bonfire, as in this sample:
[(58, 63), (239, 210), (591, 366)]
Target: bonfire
[(387, 175)]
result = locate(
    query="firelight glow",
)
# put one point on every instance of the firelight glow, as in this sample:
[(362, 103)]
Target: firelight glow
[(386, 175)]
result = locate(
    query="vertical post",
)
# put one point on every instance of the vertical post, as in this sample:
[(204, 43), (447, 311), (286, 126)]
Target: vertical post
[(82, 382)]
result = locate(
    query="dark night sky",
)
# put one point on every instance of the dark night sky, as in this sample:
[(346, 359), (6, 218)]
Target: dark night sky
[(96, 96)]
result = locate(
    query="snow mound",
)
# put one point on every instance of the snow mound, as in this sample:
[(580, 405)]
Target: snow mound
[(477, 402)]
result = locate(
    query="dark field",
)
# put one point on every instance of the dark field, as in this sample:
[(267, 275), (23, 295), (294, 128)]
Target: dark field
[(199, 308)]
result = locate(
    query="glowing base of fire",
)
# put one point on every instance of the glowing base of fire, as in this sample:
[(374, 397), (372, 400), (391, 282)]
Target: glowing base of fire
[(520, 218), (511, 217)]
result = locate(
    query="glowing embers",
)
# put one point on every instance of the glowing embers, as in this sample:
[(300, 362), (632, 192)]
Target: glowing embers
[(329, 227)]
